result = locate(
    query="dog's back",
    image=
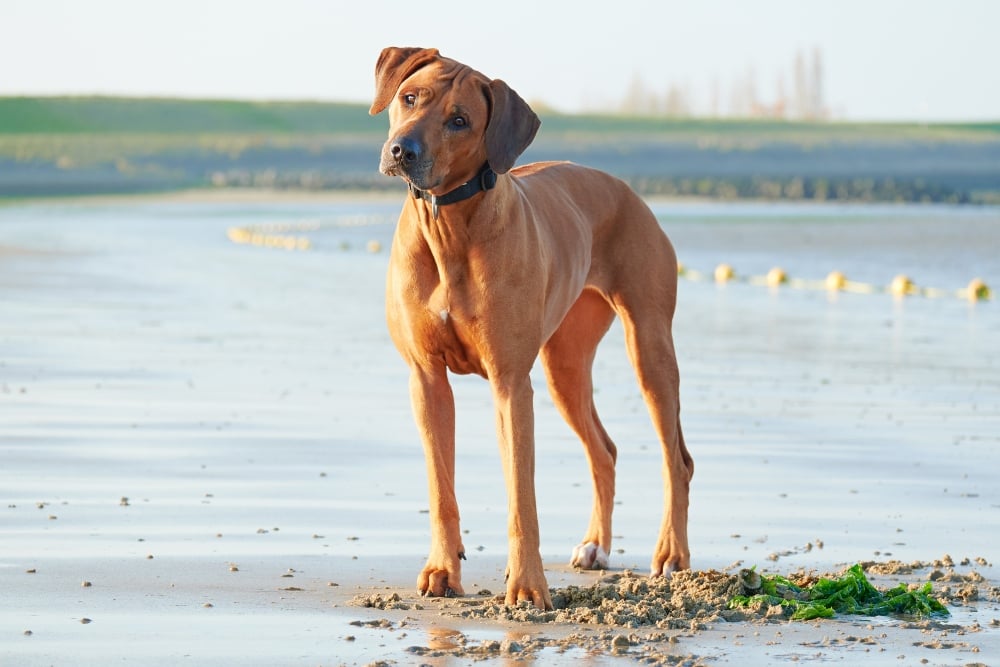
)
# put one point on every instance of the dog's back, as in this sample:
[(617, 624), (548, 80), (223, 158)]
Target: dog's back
[(627, 239)]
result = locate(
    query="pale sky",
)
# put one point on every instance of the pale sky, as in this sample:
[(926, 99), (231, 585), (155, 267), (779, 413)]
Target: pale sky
[(926, 60)]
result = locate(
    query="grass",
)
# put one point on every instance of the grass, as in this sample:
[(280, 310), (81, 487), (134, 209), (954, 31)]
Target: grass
[(109, 115), (117, 115)]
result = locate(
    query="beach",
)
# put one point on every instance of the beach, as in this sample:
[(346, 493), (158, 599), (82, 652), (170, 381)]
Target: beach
[(207, 454)]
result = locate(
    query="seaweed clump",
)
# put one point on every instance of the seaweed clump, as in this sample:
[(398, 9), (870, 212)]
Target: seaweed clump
[(851, 593)]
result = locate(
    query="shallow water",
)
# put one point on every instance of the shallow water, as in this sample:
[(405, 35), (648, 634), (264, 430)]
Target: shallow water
[(249, 405)]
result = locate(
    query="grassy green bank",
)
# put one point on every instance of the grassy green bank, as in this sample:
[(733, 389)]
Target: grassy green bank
[(82, 145)]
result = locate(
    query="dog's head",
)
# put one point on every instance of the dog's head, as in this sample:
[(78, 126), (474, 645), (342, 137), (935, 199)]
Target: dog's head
[(446, 119)]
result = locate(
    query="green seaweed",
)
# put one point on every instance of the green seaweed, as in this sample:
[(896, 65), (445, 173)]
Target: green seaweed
[(852, 593)]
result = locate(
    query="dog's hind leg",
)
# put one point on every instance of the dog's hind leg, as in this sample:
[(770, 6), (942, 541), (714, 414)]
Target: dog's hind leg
[(651, 349), (567, 358)]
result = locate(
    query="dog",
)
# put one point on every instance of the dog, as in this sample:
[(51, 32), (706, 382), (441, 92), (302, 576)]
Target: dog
[(493, 266)]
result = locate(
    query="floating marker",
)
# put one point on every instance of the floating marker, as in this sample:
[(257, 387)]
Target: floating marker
[(836, 281), (776, 276), (724, 273), (978, 290), (901, 285)]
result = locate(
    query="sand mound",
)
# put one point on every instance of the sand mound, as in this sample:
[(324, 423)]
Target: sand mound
[(625, 613), (687, 601)]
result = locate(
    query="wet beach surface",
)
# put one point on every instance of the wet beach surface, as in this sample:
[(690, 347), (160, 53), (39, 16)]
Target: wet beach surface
[(217, 437)]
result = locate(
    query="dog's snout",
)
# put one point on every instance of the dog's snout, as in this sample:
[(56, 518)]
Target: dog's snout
[(405, 151)]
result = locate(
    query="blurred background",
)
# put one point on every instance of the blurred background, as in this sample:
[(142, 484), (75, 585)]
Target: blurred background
[(778, 99)]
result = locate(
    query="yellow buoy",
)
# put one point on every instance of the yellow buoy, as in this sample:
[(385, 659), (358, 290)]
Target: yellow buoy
[(724, 273), (776, 276), (836, 281), (374, 246), (901, 285), (238, 235), (978, 290), (680, 268)]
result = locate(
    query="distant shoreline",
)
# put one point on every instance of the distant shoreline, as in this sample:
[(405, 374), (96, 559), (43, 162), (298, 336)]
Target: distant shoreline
[(89, 146), (213, 195), (252, 195)]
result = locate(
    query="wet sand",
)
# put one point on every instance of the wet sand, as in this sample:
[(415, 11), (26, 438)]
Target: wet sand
[(217, 439)]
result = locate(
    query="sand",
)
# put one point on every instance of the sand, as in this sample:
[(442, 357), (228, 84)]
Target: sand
[(207, 456)]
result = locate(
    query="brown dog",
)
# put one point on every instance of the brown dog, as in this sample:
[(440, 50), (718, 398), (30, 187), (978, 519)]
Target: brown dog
[(491, 265)]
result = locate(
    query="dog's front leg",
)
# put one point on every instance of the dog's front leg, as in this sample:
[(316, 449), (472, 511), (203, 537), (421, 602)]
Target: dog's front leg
[(516, 431), (434, 410)]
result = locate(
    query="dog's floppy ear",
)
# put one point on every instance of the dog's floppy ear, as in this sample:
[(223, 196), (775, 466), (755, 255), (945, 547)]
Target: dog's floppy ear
[(511, 127), (394, 65)]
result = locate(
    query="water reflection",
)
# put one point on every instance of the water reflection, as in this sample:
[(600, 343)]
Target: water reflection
[(444, 639)]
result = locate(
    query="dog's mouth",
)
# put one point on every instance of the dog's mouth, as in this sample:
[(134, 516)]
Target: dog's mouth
[(416, 174)]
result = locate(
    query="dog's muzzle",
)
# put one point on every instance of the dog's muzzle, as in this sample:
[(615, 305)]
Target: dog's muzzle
[(406, 157), (406, 152)]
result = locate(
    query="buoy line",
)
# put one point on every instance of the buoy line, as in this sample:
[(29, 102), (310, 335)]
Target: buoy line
[(901, 285), (251, 236), (290, 236)]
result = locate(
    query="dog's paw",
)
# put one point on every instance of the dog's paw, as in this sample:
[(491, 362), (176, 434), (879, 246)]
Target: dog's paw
[(440, 582), (528, 586), (589, 556), (666, 570), (666, 565)]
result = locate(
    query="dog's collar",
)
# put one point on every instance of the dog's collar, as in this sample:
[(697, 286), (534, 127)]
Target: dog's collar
[(483, 181)]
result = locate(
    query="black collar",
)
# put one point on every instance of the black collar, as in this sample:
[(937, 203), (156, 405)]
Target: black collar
[(483, 181)]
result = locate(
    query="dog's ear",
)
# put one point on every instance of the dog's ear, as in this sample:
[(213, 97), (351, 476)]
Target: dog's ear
[(511, 127), (394, 65)]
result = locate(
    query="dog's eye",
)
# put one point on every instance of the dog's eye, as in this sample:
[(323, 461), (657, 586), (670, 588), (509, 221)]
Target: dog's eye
[(409, 99), (459, 121)]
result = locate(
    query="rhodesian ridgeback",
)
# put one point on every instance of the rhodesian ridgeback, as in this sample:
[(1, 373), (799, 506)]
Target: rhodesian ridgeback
[(493, 265)]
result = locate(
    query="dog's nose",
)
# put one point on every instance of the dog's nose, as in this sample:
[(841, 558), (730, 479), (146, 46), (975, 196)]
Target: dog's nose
[(405, 151)]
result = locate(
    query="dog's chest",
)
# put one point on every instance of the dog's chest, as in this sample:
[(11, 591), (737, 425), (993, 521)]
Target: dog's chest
[(452, 333), (441, 304)]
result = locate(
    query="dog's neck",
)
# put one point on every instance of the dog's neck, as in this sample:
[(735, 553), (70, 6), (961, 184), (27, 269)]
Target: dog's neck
[(484, 180)]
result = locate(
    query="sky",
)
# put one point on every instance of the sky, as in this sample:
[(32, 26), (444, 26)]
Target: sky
[(916, 60)]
